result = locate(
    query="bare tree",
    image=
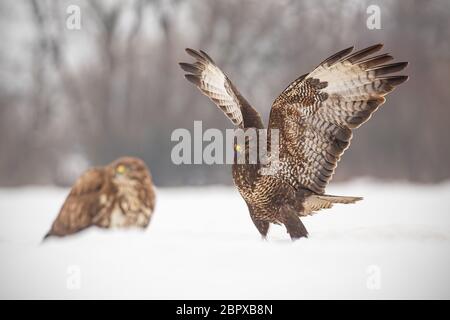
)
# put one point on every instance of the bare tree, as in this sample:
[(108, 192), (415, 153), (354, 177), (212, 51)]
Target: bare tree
[(127, 94)]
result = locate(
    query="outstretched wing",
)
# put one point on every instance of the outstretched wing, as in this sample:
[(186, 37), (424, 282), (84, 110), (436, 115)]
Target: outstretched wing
[(317, 112), (82, 204), (214, 84)]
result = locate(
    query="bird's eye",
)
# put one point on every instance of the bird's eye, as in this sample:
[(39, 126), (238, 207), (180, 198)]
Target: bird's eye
[(121, 169)]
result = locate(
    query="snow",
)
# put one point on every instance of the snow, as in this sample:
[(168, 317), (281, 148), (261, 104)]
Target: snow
[(201, 244)]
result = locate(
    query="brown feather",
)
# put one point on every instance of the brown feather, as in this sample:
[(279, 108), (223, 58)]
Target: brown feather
[(105, 198), (315, 115), (213, 83)]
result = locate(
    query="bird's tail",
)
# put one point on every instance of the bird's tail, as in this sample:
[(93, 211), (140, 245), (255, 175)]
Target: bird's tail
[(339, 199), (316, 202), (47, 235)]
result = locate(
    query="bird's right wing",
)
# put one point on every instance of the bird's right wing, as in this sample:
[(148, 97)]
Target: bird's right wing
[(82, 204), (205, 74), (317, 112)]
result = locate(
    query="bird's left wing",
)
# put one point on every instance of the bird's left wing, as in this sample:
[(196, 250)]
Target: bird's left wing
[(316, 113), (82, 204), (205, 74)]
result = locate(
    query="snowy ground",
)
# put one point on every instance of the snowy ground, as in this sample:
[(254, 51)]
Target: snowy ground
[(202, 244)]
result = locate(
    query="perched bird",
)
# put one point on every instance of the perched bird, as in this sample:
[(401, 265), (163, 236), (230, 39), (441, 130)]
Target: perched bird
[(315, 116), (119, 195)]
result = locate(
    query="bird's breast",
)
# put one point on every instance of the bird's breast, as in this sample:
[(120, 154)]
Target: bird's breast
[(129, 209)]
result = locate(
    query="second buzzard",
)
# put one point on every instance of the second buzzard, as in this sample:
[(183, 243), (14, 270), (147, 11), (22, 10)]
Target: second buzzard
[(119, 195)]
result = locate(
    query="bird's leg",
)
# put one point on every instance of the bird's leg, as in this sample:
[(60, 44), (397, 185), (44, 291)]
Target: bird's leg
[(262, 226), (293, 224)]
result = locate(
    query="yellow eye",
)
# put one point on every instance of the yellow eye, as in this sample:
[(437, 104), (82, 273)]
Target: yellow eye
[(121, 169)]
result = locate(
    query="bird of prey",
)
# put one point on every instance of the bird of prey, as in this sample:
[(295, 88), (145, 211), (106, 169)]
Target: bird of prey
[(315, 116), (118, 195)]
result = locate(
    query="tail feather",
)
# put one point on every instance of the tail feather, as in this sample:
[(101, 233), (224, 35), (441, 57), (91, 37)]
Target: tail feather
[(317, 202), (47, 235), (339, 199)]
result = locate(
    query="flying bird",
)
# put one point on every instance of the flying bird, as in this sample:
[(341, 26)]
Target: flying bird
[(119, 195), (315, 116)]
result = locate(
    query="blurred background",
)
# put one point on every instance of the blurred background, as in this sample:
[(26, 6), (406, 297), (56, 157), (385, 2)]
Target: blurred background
[(70, 99)]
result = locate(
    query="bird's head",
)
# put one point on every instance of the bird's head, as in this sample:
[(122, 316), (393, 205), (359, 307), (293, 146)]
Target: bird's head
[(239, 148), (129, 169)]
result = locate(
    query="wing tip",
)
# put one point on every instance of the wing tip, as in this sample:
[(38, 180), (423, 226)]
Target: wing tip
[(199, 55), (395, 80), (189, 67), (195, 54), (338, 56), (207, 57), (190, 51), (47, 235), (358, 55), (389, 68), (193, 79), (376, 47)]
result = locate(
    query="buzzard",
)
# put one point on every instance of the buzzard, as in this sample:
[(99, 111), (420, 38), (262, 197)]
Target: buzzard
[(118, 195), (315, 116)]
